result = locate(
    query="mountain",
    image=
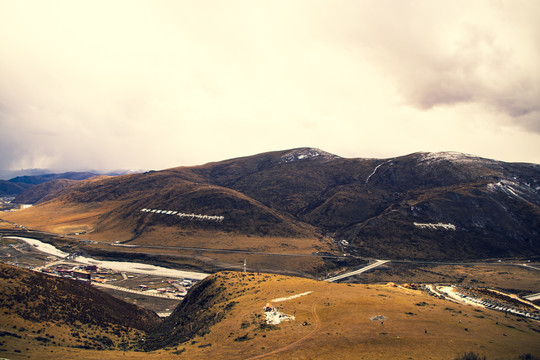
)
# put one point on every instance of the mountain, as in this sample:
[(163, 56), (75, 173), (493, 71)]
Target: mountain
[(40, 179), (35, 193), (20, 184), (8, 188), (438, 206), (8, 174)]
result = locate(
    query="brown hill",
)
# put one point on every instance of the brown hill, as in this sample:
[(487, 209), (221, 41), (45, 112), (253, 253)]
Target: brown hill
[(19, 185), (8, 188), (43, 191), (223, 318), (421, 206), (40, 311)]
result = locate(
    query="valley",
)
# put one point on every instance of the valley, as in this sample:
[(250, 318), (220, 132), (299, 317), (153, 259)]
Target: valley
[(297, 253), (253, 332), (224, 318)]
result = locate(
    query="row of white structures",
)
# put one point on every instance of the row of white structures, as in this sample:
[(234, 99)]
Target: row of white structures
[(499, 307), (191, 216), (435, 226)]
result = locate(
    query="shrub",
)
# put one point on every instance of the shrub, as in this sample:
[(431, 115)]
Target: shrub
[(527, 357), (470, 356), (243, 338)]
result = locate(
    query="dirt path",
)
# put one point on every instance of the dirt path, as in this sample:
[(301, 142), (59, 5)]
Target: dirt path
[(316, 328)]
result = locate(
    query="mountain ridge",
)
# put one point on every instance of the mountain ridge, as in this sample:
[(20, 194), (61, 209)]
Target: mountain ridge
[(382, 208)]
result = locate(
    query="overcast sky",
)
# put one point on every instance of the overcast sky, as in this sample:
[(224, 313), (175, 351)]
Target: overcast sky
[(155, 84)]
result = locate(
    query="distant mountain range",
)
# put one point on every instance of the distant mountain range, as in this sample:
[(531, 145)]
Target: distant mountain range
[(446, 205), (20, 184), (26, 179), (9, 174)]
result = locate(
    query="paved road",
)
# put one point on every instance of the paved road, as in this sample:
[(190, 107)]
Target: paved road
[(530, 267), (532, 297), (138, 292), (359, 271)]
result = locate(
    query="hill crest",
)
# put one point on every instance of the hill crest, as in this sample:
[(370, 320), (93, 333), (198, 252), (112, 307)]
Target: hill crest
[(492, 207)]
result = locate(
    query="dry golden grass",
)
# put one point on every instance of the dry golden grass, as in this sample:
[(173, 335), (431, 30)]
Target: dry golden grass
[(58, 219), (31, 342), (86, 220), (172, 236), (417, 325), (70, 218), (339, 326), (4, 225)]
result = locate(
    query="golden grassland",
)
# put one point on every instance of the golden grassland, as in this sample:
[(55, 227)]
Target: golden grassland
[(416, 325), (334, 321), (23, 339), (59, 219), (171, 236), (87, 219), (4, 225)]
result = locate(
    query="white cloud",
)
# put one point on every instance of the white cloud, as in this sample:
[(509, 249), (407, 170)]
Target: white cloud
[(154, 84)]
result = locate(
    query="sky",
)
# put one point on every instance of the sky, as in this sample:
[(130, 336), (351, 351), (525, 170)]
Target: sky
[(112, 84)]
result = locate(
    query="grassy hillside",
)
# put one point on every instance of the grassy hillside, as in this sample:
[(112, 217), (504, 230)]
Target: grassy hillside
[(343, 321), (41, 191), (223, 318), (41, 314)]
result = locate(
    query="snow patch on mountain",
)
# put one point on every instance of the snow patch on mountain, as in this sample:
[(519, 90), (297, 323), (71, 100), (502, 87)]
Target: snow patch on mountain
[(452, 156), (307, 154), (375, 170), (511, 188)]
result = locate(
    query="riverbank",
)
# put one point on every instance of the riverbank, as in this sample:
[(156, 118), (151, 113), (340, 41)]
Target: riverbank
[(126, 266)]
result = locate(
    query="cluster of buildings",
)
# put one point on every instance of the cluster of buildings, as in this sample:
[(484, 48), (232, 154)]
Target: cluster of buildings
[(176, 287), (86, 273), (7, 205), (95, 274)]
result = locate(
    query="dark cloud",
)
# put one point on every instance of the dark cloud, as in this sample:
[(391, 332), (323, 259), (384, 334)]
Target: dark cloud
[(464, 55)]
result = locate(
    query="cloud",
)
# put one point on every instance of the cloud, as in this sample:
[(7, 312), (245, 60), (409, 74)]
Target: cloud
[(139, 84), (451, 53)]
